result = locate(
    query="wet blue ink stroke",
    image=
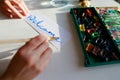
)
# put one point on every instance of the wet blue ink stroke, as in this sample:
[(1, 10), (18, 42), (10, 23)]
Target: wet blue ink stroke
[(34, 20)]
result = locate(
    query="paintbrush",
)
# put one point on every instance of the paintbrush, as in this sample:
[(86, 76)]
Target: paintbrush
[(11, 41)]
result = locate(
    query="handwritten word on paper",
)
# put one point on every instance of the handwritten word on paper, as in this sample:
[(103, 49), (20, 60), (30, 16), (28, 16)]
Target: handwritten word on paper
[(38, 23), (44, 25)]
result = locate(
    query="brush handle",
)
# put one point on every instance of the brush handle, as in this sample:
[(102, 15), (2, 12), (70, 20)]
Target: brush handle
[(11, 41)]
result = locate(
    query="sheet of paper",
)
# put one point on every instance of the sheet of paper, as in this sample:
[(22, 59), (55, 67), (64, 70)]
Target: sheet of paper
[(43, 24), (14, 29)]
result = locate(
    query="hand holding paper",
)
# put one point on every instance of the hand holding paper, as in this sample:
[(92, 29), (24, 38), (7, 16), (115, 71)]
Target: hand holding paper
[(30, 60)]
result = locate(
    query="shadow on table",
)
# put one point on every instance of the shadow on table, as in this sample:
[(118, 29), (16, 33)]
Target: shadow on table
[(70, 5), (3, 65), (43, 4), (5, 58), (38, 4), (7, 53), (118, 1)]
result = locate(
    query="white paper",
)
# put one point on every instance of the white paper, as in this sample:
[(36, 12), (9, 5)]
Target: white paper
[(43, 24)]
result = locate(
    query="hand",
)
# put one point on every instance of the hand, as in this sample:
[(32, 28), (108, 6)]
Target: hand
[(14, 8), (29, 61)]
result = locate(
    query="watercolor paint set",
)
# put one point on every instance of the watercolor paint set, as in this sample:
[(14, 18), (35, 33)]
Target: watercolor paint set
[(97, 40), (111, 17)]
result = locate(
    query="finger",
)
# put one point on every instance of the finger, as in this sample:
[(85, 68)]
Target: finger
[(35, 42), (40, 67), (46, 55), (13, 9), (7, 12), (43, 65), (44, 59), (25, 7), (41, 48), (20, 7)]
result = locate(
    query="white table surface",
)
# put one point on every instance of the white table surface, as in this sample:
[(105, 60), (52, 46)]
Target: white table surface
[(69, 63)]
